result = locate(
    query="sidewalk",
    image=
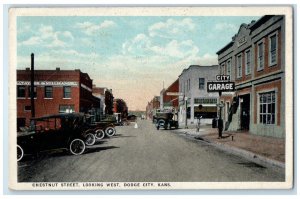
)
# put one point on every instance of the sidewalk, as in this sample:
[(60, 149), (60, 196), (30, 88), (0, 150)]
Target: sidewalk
[(260, 148)]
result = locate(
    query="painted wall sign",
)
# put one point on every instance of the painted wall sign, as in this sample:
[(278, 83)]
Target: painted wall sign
[(48, 83)]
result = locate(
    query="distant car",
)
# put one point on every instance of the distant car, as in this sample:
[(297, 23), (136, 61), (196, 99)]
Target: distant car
[(166, 121), (69, 131), (131, 118)]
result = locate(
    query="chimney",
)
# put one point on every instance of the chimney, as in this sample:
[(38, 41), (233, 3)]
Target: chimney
[(58, 69)]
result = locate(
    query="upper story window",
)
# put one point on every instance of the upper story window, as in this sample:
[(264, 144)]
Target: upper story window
[(239, 66), (67, 91), (48, 91), (273, 46), (248, 62), (222, 69), (20, 91), (34, 91), (201, 83), (260, 56), (229, 68)]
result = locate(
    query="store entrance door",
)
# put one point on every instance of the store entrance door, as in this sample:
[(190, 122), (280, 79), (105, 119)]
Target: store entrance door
[(245, 111)]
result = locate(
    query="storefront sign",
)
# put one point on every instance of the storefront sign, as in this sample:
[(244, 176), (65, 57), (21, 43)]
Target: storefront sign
[(223, 77), (220, 86), (174, 94), (48, 83)]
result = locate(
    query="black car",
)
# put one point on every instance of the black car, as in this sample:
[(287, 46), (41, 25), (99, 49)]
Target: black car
[(69, 131), (166, 121)]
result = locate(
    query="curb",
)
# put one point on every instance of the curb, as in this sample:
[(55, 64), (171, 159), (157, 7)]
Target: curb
[(246, 154), (259, 159)]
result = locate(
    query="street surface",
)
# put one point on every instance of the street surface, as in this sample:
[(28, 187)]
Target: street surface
[(144, 155)]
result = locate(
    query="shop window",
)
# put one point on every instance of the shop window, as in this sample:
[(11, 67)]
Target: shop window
[(21, 122), (66, 108), (48, 91), (267, 104), (20, 91)]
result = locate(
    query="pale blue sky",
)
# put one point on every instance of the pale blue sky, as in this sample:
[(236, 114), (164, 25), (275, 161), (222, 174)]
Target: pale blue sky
[(131, 55)]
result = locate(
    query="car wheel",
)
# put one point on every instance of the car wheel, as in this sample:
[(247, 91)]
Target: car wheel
[(110, 131), (77, 147), (20, 153), (161, 122), (169, 126), (99, 134), (90, 139)]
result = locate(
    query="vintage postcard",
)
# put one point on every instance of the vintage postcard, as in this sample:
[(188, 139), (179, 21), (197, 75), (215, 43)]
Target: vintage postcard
[(151, 98)]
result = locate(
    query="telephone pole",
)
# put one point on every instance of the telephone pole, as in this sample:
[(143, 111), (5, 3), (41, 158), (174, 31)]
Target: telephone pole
[(32, 86)]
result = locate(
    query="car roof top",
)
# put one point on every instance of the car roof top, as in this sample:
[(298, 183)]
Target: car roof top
[(60, 115)]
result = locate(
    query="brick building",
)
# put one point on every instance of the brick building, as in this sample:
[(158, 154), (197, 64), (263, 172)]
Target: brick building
[(99, 92), (255, 60), (152, 107), (170, 101), (55, 91)]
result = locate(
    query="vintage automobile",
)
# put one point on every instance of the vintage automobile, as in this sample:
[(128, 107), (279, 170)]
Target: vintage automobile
[(69, 131), (166, 120), (103, 128)]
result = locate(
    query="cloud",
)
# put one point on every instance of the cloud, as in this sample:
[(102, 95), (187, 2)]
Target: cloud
[(226, 26), (32, 41), (47, 37), (143, 45), (172, 28), (91, 28)]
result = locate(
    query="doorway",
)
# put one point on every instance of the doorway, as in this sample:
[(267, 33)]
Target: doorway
[(245, 112)]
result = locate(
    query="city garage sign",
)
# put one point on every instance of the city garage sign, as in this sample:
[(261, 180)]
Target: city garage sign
[(221, 85)]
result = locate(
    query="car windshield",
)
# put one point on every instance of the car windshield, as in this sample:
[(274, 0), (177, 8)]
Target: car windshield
[(46, 124)]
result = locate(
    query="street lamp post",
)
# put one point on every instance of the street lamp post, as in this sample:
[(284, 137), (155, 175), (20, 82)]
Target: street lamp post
[(220, 121)]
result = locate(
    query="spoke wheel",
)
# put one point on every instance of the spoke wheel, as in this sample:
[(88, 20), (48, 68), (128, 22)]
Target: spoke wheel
[(90, 139), (99, 134), (77, 147), (20, 153), (110, 131)]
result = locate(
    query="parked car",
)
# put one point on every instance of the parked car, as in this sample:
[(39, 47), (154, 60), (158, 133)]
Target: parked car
[(131, 118), (166, 121), (69, 131), (105, 127)]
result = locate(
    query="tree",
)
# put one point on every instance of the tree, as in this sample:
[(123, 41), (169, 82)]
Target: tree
[(109, 102)]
